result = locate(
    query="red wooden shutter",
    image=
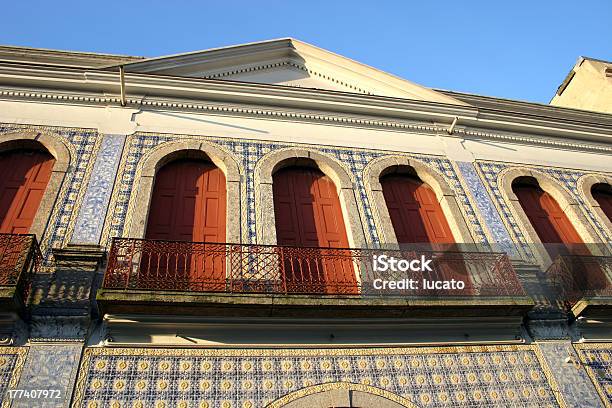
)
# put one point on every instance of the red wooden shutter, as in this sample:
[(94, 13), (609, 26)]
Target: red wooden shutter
[(547, 218), (307, 209), (417, 218), (188, 204), (603, 196), (308, 214), (553, 227), (415, 212), (25, 175)]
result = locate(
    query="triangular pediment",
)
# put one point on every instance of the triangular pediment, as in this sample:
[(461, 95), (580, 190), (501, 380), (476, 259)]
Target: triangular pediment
[(288, 62)]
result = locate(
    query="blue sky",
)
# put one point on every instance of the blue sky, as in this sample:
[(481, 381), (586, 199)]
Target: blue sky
[(513, 49)]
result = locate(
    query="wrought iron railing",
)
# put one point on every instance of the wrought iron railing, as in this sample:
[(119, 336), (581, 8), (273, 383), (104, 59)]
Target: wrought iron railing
[(20, 258), (575, 277), (138, 264)]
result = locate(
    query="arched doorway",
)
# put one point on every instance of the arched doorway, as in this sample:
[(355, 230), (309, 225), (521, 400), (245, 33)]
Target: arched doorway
[(420, 223), (188, 205), (602, 193), (559, 236), (342, 394), (25, 175), (308, 215)]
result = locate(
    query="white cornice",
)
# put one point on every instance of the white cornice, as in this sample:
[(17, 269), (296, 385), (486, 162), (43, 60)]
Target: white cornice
[(51, 57), (299, 104), (225, 91)]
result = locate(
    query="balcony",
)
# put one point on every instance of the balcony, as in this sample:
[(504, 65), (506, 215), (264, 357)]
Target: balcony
[(20, 258), (583, 283), (160, 277)]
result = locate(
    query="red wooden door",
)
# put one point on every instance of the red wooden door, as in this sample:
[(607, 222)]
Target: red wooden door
[(417, 218), (553, 227), (308, 214), (24, 175), (415, 212), (547, 218), (188, 204), (603, 196)]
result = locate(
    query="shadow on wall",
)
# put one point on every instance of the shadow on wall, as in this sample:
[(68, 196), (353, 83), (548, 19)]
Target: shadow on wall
[(69, 290)]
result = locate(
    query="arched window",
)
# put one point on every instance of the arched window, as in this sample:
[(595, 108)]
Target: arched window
[(25, 174), (188, 204), (547, 218), (308, 214), (415, 212), (602, 193)]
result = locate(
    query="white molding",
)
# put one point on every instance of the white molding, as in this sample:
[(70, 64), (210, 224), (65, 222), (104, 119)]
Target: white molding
[(467, 133)]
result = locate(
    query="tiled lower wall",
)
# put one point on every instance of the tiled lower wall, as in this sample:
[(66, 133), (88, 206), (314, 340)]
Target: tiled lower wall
[(597, 360), (537, 375), (49, 367), (11, 365), (500, 376)]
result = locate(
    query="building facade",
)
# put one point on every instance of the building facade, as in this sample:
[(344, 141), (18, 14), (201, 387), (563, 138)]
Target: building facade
[(198, 230)]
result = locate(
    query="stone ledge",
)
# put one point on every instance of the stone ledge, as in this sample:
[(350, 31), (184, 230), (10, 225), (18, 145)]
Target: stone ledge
[(11, 300), (259, 305), (594, 306), (79, 256)]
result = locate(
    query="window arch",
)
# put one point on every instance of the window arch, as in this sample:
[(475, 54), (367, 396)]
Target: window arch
[(414, 210), (421, 174), (602, 193), (29, 206), (341, 394), (566, 203), (544, 213), (264, 196), (186, 150), (595, 190)]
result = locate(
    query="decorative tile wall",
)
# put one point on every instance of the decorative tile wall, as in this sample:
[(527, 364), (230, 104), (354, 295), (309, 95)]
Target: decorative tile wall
[(50, 367), (11, 365), (90, 220), (249, 152), (574, 383), (82, 144), (567, 179), (487, 209), (597, 360), (493, 376)]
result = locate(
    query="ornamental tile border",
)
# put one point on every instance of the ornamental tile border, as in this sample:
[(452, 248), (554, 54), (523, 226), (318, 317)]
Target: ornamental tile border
[(490, 171), (91, 216), (498, 233), (249, 152), (469, 376), (574, 383), (12, 360), (597, 360), (50, 366), (83, 145)]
